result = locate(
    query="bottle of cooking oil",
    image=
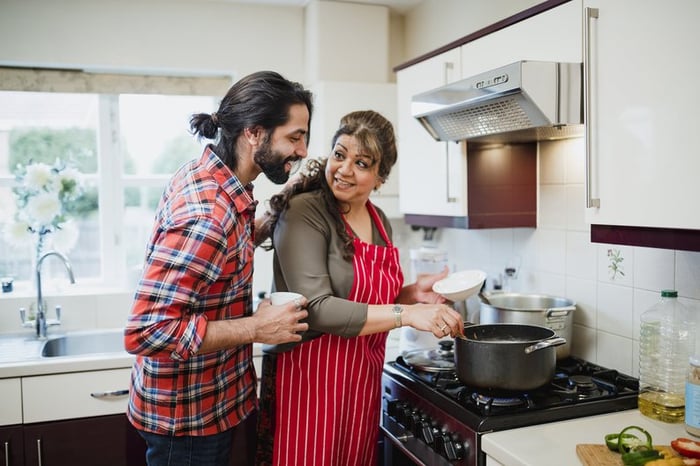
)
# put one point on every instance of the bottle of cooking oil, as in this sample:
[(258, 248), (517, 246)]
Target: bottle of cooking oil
[(666, 334)]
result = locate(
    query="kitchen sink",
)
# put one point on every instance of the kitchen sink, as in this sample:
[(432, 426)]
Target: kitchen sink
[(83, 343)]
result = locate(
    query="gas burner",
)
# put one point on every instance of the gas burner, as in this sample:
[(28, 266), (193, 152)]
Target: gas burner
[(487, 400), (581, 387), (582, 383)]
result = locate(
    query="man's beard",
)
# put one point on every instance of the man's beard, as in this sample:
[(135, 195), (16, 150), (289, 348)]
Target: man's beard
[(272, 162)]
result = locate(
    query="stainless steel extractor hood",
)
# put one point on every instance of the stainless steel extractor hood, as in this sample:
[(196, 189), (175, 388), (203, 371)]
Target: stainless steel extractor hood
[(523, 101)]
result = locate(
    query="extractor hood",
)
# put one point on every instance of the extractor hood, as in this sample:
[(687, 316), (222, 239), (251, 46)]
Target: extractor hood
[(523, 101)]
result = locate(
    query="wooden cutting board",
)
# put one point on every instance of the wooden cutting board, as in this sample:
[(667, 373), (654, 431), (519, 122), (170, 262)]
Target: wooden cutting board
[(598, 455)]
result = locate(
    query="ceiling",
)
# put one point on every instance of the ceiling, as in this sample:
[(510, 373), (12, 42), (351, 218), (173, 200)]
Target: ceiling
[(398, 6)]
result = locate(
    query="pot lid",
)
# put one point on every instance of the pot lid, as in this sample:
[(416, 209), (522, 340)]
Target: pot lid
[(432, 359)]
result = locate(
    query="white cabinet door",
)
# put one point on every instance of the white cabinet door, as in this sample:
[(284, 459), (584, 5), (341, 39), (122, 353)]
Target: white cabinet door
[(10, 401), (433, 174), (74, 395), (553, 35), (643, 116)]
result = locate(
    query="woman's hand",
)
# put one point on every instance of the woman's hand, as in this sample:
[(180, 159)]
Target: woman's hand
[(439, 319), (423, 288)]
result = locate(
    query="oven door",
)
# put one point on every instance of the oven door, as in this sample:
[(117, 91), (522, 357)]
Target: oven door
[(417, 431), (404, 449)]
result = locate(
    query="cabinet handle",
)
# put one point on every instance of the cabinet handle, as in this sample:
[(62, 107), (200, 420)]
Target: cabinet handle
[(448, 198), (590, 14), (446, 68), (38, 451), (110, 394), (7, 453)]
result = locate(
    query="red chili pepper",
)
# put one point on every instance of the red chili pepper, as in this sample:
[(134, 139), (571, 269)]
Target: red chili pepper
[(687, 447)]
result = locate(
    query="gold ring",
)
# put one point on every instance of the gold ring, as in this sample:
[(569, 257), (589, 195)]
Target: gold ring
[(442, 329)]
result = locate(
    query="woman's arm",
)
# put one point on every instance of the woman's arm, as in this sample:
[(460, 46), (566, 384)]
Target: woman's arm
[(423, 309)]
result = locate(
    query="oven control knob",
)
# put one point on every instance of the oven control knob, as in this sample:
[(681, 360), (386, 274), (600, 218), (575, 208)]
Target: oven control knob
[(413, 421), (439, 442), (449, 446), (393, 407), (403, 412), (454, 449), (426, 432)]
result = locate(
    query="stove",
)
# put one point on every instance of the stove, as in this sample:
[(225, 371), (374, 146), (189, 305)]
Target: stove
[(431, 418)]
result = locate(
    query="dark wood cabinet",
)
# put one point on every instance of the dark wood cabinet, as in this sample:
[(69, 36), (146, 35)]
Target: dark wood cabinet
[(12, 443), (104, 440), (501, 189)]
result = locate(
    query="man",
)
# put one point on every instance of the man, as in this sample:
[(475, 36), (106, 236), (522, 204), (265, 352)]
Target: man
[(193, 384)]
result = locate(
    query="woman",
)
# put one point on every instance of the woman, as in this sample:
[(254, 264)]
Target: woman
[(321, 398)]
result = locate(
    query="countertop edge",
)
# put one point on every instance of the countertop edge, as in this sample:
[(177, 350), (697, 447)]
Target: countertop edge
[(554, 444)]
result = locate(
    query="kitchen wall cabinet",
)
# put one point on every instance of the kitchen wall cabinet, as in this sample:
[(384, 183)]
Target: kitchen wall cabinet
[(553, 35), (432, 173), (642, 157), (435, 190)]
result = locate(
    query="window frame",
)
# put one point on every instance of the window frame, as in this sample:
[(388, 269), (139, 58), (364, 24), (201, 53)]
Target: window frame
[(108, 87)]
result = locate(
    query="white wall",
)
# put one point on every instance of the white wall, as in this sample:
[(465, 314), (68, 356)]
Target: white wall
[(160, 36)]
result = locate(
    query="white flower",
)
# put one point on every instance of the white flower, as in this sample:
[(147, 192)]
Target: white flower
[(18, 233), (65, 237), (44, 207), (44, 193), (38, 176)]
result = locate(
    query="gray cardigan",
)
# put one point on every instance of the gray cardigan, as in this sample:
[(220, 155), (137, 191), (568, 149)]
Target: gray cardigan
[(308, 259)]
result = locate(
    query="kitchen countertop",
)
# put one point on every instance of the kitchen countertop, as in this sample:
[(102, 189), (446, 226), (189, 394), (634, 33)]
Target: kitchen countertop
[(20, 357), (554, 444)]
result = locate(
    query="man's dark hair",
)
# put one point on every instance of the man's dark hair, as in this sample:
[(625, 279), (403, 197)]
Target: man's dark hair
[(259, 99)]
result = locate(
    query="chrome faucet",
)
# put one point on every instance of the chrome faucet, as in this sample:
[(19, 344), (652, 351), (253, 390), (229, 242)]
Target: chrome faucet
[(41, 322)]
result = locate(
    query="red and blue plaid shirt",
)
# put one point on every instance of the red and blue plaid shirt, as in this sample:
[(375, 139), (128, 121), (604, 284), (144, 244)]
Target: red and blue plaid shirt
[(199, 267)]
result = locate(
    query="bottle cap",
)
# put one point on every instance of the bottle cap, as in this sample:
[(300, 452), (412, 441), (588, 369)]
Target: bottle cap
[(669, 294)]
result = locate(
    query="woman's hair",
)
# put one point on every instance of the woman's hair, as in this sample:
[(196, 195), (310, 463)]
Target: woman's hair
[(375, 136), (259, 99)]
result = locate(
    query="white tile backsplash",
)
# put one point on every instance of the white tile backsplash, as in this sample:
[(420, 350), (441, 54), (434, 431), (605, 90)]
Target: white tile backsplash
[(552, 207), (624, 275), (615, 309), (687, 271), (653, 269), (614, 351), (580, 256), (584, 294)]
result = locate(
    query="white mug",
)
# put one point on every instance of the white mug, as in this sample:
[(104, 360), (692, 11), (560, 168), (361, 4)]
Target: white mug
[(283, 297)]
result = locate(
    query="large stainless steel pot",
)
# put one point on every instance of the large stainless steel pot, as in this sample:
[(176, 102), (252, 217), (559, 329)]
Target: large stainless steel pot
[(532, 309), (506, 356)]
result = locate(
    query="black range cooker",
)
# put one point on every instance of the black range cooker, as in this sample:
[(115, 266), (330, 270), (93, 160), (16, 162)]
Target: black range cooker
[(431, 418)]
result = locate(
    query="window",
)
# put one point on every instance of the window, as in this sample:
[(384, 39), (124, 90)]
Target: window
[(126, 140)]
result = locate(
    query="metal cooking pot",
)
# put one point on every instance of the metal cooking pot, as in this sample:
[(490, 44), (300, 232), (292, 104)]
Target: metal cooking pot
[(556, 313), (506, 356)]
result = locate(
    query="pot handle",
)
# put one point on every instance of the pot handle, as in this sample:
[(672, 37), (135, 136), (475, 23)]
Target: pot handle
[(559, 311), (557, 341)]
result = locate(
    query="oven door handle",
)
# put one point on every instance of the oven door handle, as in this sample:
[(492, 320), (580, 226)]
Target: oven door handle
[(399, 441)]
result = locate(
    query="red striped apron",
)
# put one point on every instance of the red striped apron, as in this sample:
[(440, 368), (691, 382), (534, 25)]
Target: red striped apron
[(329, 389)]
